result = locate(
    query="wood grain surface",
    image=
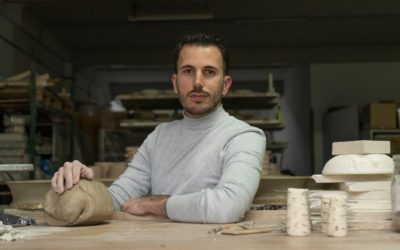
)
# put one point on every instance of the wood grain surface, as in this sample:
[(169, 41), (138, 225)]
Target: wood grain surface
[(132, 232)]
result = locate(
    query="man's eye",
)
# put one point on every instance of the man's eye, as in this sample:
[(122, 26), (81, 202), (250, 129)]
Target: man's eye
[(187, 71), (210, 72)]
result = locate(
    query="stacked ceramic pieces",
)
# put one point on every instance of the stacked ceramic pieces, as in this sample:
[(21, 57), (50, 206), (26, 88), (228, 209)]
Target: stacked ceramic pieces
[(364, 171), (322, 218)]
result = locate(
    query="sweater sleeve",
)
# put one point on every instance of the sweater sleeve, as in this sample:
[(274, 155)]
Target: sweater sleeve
[(242, 159), (136, 180)]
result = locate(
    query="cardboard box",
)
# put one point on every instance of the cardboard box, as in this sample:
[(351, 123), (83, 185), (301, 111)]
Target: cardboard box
[(380, 115)]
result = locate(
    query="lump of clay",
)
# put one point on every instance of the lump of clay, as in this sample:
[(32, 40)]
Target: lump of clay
[(359, 164), (87, 203)]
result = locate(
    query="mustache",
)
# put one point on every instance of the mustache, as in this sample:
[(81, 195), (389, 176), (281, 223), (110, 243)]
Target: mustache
[(198, 90)]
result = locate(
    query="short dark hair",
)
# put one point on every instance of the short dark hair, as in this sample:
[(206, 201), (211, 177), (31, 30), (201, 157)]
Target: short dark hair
[(202, 39)]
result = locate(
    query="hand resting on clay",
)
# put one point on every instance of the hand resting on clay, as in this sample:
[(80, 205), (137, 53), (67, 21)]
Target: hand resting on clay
[(86, 203)]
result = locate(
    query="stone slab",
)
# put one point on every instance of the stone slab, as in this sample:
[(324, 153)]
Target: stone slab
[(360, 147)]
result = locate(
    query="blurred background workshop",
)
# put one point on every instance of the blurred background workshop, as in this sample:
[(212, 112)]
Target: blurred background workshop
[(89, 80)]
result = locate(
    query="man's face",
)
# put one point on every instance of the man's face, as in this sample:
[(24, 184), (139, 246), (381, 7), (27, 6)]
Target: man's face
[(200, 82)]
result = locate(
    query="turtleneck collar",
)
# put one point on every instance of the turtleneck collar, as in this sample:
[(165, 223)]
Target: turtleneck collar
[(205, 122)]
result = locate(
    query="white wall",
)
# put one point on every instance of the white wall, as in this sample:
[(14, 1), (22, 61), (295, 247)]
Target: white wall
[(346, 84)]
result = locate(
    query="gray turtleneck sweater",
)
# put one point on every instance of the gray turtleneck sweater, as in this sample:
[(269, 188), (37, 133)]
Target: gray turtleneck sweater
[(210, 166)]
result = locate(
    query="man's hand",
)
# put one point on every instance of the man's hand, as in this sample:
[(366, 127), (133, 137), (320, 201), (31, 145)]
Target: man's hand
[(71, 172), (155, 205)]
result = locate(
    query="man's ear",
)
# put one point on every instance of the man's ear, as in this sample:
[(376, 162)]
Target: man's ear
[(173, 79), (227, 84)]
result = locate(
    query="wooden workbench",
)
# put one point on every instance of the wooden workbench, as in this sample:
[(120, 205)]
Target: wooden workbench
[(123, 232)]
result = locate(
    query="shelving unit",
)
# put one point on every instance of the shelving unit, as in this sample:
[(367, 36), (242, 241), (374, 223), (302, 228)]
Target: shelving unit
[(39, 103), (256, 101), (149, 124)]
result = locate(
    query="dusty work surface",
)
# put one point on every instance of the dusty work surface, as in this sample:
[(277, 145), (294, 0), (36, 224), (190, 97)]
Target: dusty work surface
[(130, 232)]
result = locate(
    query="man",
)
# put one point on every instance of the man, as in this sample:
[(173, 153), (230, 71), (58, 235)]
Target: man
[(204, 168)]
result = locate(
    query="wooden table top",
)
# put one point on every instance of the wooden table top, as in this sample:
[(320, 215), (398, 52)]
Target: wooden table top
[(156, 233)]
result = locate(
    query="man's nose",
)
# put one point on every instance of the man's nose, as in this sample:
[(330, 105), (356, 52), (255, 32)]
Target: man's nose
[(198, 80)]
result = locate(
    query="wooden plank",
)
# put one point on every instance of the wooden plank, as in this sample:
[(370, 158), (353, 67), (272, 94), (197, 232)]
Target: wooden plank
[(121, 234), (370, 195), (14, 101), (24, 159), (14, 106), (252, 101), (262, 217), (142, 123), (20, 76), (38, 215), (155, 235), (366, 204), (365, 186), (360, 147), (318, 178), (370, 215), (13, 145), (14, 93), (370, 225), (6, 137), (12, 152), (18, 93), (16, 167)]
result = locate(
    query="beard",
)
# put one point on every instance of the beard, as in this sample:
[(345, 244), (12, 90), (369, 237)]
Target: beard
[(195, 109)]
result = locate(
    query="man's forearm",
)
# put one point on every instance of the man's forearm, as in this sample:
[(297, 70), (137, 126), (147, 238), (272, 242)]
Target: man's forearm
[(225, 204), (155, 205)]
